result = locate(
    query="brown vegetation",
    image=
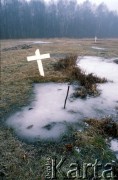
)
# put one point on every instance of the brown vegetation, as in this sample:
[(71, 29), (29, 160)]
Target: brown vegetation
[(86, 82)]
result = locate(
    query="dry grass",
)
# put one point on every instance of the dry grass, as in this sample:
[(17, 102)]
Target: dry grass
[(92, 146), (93, 140), (15, 160), (20, 160), (106, 126)]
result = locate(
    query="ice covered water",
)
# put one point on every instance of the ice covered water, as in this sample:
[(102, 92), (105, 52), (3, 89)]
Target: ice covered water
[(37, 42), (114, 146), (45, 116), (108, 100), (98, 48), (100, 67)]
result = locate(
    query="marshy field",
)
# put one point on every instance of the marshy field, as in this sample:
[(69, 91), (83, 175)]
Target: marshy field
[(34, 124)]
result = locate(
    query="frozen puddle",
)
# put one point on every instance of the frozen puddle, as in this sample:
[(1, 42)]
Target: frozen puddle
[(46, 118), (98, 48), (37, 42), (107, 102), (114, 146)]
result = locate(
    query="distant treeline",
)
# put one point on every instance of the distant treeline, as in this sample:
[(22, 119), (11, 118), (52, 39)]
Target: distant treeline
[(36, 19)]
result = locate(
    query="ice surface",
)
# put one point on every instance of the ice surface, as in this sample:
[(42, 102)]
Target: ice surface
[(98, 48), (109, 91), (114, 146), (37, 42), (45, 116)]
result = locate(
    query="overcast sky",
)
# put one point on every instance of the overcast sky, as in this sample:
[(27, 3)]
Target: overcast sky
[(112, 4)]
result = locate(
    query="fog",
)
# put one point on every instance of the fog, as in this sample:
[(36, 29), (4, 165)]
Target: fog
[(37, 19)]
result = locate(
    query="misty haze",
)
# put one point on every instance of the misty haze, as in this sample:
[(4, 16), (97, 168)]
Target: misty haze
[(37, 19)]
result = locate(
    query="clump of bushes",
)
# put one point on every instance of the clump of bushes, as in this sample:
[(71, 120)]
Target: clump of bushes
[(66, 63), (86, 82)]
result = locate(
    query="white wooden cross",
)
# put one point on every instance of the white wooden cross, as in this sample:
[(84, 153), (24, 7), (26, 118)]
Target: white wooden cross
[(95, 39), (38, 57)]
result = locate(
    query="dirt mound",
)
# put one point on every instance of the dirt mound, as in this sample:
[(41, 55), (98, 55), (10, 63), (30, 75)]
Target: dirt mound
[(23, 46)]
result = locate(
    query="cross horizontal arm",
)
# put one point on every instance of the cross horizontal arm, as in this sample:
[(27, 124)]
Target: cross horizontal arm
[(32, 58), (44, 56)]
